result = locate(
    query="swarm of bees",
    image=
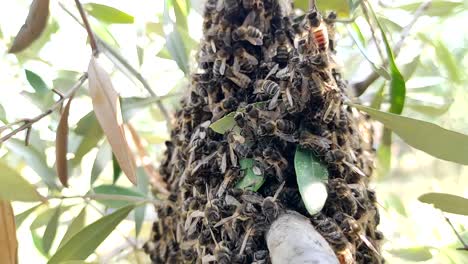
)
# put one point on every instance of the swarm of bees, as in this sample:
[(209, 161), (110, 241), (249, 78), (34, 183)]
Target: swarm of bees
[(274, 73)]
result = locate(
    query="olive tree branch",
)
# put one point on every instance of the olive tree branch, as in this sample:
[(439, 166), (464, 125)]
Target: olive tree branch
[(114, 55), (360, 87), (28, 122), (92, 39)]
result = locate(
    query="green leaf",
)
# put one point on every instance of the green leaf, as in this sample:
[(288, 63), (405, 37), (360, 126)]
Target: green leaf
[(341, 7), (378, 97), (412, 254), (448, 61), (19, 218), (117, 171), (397, 83), (75, 226), (37, 241), (436, 8), (431, 110), (133, 105), (164, 54), (384, 153), (156, 28), (143, 187), (176, 47), (103, 157), (90, 131), (448, 203), (181, 13), (36, 82), (357, 30), (116, 190), (108, 14), (14, 187), (51, 230), (250, 181), (2, 114), (430, 138), (410, 68), (83, 243), (224, 124), (396, 203), (34, 159), (311, 175)]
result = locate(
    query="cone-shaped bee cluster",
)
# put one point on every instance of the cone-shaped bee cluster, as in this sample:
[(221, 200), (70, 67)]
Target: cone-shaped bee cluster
[(274, 75)]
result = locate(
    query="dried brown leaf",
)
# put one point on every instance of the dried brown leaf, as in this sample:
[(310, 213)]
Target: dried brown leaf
[(61, 145), (8, 241), (143, 160), (106, 106), (33, 26)]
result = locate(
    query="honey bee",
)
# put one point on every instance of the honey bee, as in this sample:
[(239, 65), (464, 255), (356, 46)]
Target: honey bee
[(267, 87), (317, 31), (243, 61), (320, 145), (332, 108), (330, 231), (274, 159), (331, 30), (219, 65), (231, 7), (286, 126), (249, 33), (282, 50), (344, 193), (222, 254), (238, 78)]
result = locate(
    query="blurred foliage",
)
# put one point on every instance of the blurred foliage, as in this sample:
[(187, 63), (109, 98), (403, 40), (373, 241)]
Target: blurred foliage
[(159, 40)]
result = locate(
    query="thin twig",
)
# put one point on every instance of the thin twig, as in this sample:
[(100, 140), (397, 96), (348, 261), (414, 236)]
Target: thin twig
[(360, 87), (114, 54), (112, 197), (29, 122), (92, 40), (374, 35), (465, 246)]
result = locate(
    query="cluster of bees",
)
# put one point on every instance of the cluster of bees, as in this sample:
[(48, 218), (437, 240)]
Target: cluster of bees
[(276, 75)]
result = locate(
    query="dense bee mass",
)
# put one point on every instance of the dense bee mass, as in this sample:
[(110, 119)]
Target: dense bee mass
[(277, 74)]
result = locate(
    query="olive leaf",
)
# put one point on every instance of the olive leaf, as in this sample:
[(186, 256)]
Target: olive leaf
[(106, 106), (61, 145), (311, 175), (250, 181), (108, 14), (448, 203), (33, 27), (14, 187), (9, 246)]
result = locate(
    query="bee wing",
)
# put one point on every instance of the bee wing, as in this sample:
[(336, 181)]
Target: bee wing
[(272, 71), (236, 65), (223, 163), (251, 58), (255, 41), (220, 5), (222, 68), (289, 97), (249, 19), (274, 101)]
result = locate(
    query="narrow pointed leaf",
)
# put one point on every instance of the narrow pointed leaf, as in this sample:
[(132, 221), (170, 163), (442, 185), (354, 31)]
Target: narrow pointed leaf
[(311, 177), (61, 145), (106, 106), (33, 26), (116, 190), (108, 14), (397, 83), (430, 138), (89, 129), (448, 203), (143, 187), (414, 254), (14, 187), (75, 226), (117, 171), (36, 82), (84, 243), (8, 241), (103, 157), (19, 218), (37, 241), (51, 230), (250, 181)]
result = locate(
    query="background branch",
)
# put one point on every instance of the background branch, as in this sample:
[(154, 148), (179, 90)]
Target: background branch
[(360, 87), (29, 122), (115, 55), (92, 40)]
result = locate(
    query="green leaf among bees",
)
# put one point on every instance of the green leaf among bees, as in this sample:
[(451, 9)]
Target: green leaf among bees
[(224, 124), (108, 14), (250, 181), (430, 138), (448, 203), (311, 177)]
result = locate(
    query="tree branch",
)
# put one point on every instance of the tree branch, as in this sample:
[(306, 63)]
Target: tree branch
[(360, 87), (114, 54), (465, 246), (29, 122), (92, 40)]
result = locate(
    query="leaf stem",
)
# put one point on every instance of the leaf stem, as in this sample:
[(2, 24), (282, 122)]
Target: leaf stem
[(29, 122), (360, 87), (92, 39)]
